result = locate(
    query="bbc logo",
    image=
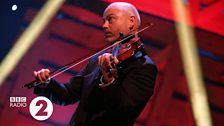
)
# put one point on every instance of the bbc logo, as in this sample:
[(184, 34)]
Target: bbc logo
[(17, 99)]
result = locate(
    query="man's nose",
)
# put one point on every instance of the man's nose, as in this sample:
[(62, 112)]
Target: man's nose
[(105, 25)]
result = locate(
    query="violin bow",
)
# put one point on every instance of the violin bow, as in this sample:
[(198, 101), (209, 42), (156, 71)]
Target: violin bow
[(80, 60)]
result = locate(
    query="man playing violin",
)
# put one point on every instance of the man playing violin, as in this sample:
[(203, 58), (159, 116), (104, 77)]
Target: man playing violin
[(111, 91)]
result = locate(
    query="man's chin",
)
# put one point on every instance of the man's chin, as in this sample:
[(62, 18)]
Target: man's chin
[(110, 39)]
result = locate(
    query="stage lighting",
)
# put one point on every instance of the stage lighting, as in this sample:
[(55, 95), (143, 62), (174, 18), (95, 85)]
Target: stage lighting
[(14, 7)]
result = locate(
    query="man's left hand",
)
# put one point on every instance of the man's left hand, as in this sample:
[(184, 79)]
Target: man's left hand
[(107, 63)]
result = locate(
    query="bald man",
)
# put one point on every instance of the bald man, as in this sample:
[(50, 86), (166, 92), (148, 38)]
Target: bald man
[(107, 98)]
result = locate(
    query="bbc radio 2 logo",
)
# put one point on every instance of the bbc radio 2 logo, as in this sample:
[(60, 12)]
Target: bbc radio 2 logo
[(17, 102), (40, 107)]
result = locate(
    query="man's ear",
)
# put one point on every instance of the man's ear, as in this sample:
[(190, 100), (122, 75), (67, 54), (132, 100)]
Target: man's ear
[(132, 22)]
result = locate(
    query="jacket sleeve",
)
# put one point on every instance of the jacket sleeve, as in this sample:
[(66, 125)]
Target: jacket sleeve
[(60, 93), (132, 92)]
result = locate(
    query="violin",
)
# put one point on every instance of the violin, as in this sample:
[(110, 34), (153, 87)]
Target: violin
[(128, 51)]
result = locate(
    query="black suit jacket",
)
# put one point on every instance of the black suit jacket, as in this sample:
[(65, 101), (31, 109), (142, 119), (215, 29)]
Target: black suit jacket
[(119, 104)]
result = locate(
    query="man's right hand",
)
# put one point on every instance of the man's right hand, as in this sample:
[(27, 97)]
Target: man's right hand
[(42, 75)]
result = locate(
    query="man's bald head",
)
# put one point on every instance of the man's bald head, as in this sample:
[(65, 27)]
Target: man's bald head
[(120, 18), (127, 7)]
